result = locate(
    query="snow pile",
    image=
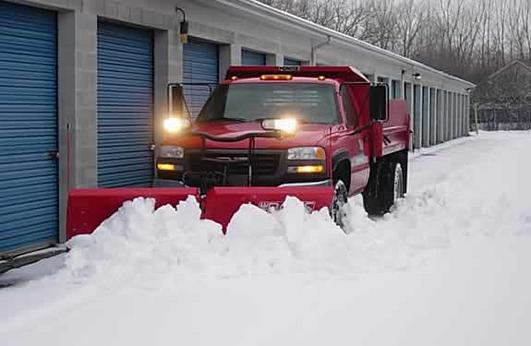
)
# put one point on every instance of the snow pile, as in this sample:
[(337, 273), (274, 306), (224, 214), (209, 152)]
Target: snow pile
[(143, 244), (159, 277), (139, 241)]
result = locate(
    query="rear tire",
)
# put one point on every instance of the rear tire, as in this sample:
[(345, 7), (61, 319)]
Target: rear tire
[(387, 184)]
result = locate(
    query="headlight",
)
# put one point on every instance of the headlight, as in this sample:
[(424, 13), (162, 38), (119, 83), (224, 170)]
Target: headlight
[(285, 125), (306, 153), (171, 152), (174, 125)]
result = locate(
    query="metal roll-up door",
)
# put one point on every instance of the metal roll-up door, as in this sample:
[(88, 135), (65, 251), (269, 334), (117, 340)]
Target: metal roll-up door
[(200, 65), (28, 128), (125, 106), (250, 58)]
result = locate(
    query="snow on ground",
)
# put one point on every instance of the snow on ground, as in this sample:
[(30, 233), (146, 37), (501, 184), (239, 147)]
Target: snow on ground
[(449, 266)]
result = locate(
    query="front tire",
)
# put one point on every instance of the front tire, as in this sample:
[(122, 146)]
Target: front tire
[(338, 210)]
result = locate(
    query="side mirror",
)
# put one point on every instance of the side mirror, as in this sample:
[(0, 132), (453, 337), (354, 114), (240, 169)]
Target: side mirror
[(378, 102), (176, 100)]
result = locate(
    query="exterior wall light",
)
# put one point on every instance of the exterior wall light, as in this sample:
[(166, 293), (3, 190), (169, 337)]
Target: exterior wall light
[(183, 26), (417, 76)]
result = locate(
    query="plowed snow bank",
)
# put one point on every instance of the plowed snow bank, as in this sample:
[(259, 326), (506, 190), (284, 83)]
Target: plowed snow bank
[(449, 266), (139, 242)]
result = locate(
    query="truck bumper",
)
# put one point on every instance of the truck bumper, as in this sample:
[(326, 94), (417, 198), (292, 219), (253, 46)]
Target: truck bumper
[(178, 183), (321, 183)]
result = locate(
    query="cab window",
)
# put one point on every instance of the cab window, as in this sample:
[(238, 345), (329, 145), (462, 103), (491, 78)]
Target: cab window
[(308, 102), (348, 107)]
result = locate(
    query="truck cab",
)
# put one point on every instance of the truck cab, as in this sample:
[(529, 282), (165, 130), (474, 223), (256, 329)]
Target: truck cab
[(287, 127)]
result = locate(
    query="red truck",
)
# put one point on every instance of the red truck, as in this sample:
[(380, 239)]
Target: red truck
[(319, 133), (341, 132)]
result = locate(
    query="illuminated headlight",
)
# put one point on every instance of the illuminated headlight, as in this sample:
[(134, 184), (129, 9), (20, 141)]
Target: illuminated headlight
[(171, 152), (306, 153), (175, 125), (285, 125)]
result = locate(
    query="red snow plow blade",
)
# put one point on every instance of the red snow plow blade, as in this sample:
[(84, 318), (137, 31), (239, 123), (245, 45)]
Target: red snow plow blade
[(221, 203), (88, 208)]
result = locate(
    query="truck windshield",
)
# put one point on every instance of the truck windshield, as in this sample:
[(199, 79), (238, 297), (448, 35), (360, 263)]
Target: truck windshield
[(310, 103)]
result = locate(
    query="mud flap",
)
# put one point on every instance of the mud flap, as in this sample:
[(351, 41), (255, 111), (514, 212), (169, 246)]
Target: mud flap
[(221, 203), (88, 208)]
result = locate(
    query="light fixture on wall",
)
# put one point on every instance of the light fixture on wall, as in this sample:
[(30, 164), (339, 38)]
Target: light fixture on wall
[(183, 26), (417, 76)]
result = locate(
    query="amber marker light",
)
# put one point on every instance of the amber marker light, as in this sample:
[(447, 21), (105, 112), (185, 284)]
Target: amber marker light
[(306, 169), (276, 77), (165, 167)]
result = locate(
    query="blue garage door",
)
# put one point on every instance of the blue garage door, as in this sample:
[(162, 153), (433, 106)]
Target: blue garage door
[(125, 106), (200, 65), (28, 127), (253, 58)]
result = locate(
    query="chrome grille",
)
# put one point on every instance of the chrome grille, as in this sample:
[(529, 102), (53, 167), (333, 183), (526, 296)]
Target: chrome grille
[(263, 163)]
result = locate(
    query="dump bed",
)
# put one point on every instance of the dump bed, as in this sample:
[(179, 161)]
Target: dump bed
[(393, 134)]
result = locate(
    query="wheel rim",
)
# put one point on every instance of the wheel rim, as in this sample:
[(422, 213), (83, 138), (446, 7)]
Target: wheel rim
[(338, 211), (398, 186)]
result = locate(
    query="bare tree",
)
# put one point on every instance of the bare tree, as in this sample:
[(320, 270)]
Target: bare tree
[(468, 38)]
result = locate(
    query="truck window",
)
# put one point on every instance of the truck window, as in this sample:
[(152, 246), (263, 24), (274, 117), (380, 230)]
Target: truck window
[(307, 102), (348, 106)]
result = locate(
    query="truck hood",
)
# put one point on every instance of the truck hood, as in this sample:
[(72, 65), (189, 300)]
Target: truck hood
[(306, 135)]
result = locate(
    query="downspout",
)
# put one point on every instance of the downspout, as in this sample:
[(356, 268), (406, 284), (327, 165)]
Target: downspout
[(313, 57)]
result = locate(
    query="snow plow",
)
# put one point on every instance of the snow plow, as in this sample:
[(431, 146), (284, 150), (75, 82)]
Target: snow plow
[(320, 134)]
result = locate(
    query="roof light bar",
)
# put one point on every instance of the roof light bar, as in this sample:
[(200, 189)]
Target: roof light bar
[(276, 77)]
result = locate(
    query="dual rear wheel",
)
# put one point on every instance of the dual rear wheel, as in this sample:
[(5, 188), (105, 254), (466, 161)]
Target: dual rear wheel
[(387, 184)]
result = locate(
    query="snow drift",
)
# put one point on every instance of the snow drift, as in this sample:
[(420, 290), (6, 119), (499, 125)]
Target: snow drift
[(139, 242), (448, 266)]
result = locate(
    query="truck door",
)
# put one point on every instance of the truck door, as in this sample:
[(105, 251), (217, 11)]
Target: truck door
[(356, 141)]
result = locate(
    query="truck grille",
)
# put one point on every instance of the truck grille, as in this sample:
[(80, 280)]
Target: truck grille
[(263, 163)]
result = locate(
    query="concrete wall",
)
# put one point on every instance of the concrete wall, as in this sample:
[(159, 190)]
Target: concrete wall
[(234, 25)]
